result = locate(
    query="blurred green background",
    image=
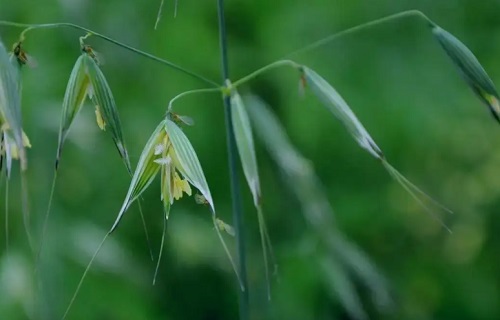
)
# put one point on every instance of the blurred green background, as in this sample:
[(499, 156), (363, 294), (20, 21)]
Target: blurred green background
[(394, 76)]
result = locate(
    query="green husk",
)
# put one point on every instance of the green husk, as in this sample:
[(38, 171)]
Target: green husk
[(470, 69), (87, 80), (145, 171), (332, 100), (246, 149), (106, 111), (10, 105), (77, 89), (189, 165), (337, 105)]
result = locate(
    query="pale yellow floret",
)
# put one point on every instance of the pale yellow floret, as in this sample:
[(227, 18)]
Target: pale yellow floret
[(180, 186)]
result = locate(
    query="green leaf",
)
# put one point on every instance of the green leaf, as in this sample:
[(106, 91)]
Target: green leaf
[(10, 104), (77, 90), (145, 171), (106, 111), (470, 69), (189, 165), (337, 105)]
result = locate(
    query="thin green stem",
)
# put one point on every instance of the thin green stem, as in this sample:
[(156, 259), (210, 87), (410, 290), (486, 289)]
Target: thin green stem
[(45, 221), (266, 68), (191, 92), (158, 17), (234, 179), (79, 286), (30, 27), (144, 226), (360, 27), (26, 209), (161, 249), (7, 215)]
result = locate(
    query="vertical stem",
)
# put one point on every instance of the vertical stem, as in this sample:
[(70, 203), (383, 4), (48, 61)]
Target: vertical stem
[(232, 157)]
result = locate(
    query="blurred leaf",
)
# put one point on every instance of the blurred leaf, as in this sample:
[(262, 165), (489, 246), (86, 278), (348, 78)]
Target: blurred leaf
[(342, 286), (315, 206)]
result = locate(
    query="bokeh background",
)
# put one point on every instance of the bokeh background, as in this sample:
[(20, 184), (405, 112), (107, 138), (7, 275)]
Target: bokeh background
[(394, 76)]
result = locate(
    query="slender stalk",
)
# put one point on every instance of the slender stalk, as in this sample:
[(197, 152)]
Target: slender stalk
[(45, 221), (190, 92), (7, 215), (232, 158), (266, 68), (360, 27), (174, 66)]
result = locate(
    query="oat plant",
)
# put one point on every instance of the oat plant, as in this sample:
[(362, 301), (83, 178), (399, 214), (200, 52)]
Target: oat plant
[(169, 154)]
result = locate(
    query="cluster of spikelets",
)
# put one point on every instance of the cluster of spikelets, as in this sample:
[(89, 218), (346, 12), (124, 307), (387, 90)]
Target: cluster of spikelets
[(169, 153)]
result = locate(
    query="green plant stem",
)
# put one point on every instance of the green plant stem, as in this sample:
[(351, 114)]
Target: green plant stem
[(360, 27), (191, 92), (7, 216), (174, 66), (266, 68), (232, 158)]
